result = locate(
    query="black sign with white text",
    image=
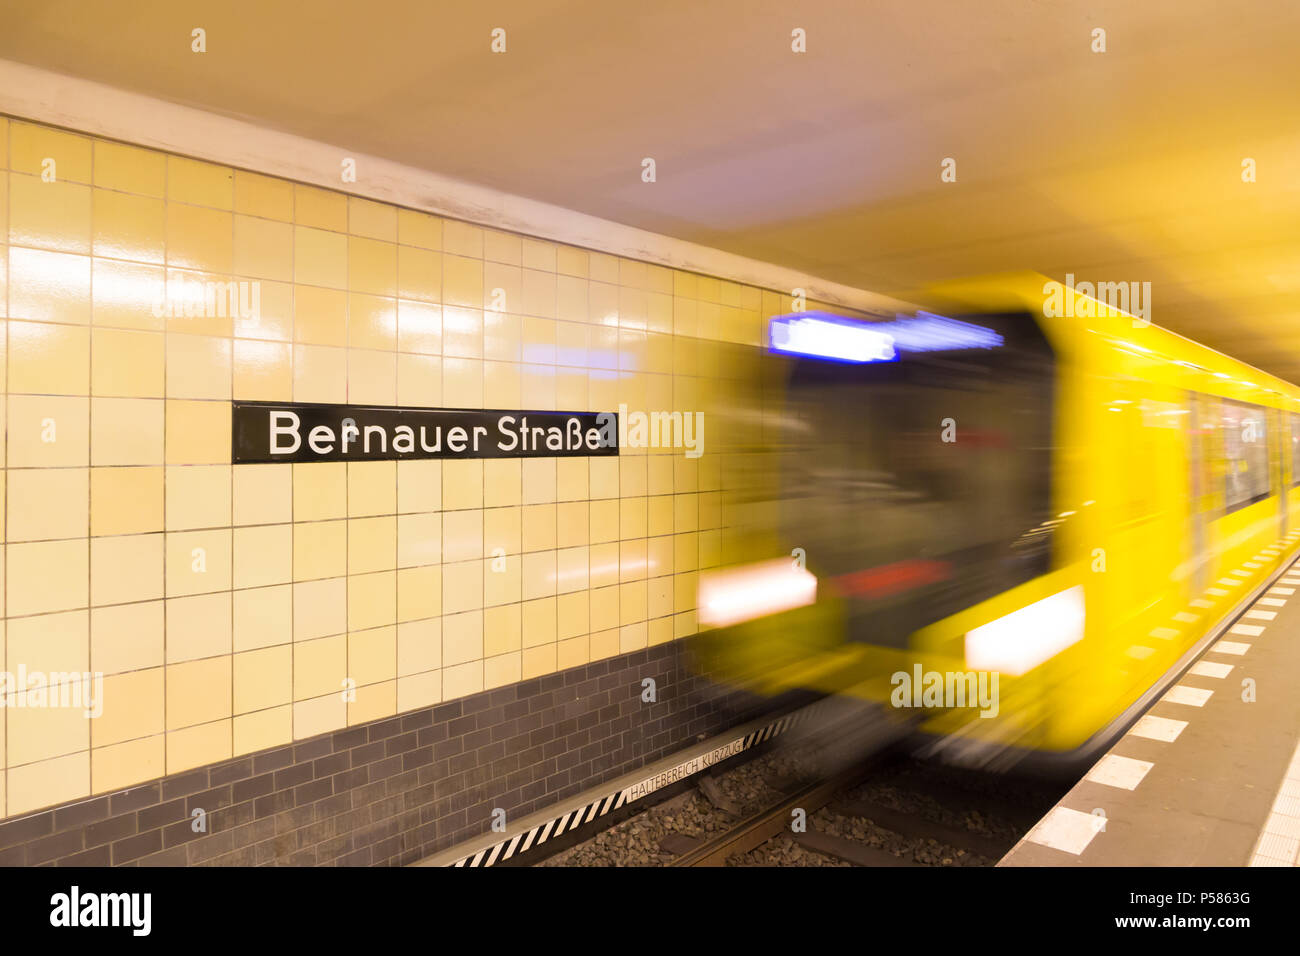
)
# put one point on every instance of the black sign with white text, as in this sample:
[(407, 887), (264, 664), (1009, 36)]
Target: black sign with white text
[(267, 432)]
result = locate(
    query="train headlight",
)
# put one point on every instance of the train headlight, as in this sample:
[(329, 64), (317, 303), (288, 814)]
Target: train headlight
[(1020, 641), (754, 590)]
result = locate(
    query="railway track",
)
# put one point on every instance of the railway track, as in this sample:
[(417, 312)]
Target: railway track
[(887, 811), (762, 826)]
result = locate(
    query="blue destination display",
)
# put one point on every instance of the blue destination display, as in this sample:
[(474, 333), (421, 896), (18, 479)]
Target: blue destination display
[(836, 338), (268, 432), (825, 336)]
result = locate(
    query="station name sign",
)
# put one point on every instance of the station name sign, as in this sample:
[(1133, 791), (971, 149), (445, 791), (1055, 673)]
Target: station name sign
[(269, 432)]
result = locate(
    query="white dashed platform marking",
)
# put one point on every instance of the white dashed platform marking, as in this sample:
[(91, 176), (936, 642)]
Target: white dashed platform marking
[(1164, 729), (1236, 648), (1191, 696), (1066, 830), (1072, 831), (1124, 773)]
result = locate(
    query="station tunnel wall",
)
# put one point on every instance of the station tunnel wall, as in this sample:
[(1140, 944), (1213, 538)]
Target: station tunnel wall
[(334, 661)]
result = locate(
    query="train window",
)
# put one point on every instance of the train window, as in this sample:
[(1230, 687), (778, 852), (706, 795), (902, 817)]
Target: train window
[(1295, 448), (922, 486), (1245, 452)]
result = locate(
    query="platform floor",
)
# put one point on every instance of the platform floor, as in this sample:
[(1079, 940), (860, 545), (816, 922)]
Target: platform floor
[(1204, 778)]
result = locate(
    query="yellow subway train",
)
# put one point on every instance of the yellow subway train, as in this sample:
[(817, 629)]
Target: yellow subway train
[(1009, 519)]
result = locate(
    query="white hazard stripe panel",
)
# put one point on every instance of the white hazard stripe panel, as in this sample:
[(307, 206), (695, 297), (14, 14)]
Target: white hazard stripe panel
[(575, 817)]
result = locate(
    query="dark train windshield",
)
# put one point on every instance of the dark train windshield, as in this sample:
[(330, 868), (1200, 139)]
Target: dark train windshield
[(921, 486)]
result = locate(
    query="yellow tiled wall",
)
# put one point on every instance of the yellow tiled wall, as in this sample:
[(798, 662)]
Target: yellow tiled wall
[(227, 605)]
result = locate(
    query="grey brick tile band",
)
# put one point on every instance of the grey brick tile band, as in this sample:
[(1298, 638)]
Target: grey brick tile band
[(398, 789)]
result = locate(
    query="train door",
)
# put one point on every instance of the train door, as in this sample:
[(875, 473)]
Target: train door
[(1281, 421), (1197, 506), (1291, 453), (1163, 436), (1148, 433)]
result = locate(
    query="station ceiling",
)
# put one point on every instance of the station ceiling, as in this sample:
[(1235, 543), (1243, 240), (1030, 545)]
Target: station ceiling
[(1117, 166)]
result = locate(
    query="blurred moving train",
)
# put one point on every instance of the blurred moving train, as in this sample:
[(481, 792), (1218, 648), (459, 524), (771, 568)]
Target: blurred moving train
[(1070, 499)]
